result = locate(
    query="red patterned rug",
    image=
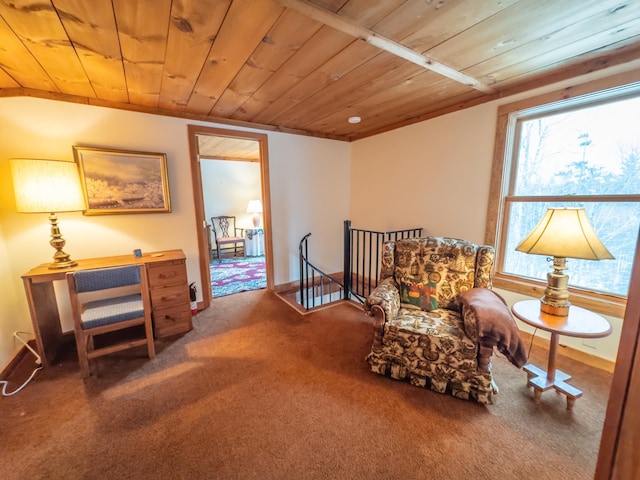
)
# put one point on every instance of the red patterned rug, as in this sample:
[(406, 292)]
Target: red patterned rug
[(234, 275)]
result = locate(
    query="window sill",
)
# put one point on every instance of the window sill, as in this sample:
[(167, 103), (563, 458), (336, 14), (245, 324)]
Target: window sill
[(605, 304)]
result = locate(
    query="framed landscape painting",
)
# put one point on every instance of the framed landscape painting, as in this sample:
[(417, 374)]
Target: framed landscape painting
[(121, 181)]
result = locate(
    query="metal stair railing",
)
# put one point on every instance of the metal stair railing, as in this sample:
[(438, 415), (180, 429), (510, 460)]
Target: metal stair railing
[(362, 251), (317, 288)]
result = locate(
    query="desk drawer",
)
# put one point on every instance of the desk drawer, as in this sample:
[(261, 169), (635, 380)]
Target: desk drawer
[(170, 296), (170, 273), (171, 321)]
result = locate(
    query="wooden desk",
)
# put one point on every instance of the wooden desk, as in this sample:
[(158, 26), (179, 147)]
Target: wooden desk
[(167, 274), (579, 323)]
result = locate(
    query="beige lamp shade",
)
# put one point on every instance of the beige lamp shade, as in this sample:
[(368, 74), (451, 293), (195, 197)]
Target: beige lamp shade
[(46, 186), (565, 232), (255, 206)]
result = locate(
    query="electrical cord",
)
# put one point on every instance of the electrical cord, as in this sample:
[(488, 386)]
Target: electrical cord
[(5, 383), (531, 344), (33, 374)]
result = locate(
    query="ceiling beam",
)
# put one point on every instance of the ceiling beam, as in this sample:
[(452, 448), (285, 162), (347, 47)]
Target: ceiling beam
[(356, 30)]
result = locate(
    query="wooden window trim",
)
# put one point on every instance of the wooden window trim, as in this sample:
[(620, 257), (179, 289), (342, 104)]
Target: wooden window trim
[(501, 176)]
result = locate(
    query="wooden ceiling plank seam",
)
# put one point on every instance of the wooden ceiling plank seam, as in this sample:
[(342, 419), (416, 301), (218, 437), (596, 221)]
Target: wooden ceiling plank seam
[(430, 85), (92, 32), (194, 25), (348, 59), (368, 13), (402, 100), (244, 26), (287, 36), (626, 51), (564, 45), (226, 110), (454, 104), (351, 88), (61, 16), (408, 18), (319, 49), (193, 86), (384, 43), (6, 80), (143, 28), (511, 28), (405, 107), (450, 20), (38, 27), (332, 5), (20, 64)]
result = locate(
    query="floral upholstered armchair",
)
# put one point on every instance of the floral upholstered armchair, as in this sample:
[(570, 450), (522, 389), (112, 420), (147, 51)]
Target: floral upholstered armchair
[(436, 320)]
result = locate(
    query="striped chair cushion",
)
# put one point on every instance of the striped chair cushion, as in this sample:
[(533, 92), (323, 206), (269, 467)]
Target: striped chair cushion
[(112, 310)]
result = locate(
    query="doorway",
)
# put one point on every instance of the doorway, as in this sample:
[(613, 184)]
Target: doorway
[(228, 145)]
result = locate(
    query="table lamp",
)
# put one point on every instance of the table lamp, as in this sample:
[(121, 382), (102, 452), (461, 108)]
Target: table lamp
[(48, 186), (562, 233), (255, 207)]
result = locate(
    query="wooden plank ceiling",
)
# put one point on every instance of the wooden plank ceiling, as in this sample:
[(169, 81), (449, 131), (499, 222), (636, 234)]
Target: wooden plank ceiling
[(306, 66)]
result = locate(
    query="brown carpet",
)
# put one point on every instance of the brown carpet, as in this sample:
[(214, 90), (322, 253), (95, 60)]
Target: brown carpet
[(257, 391)]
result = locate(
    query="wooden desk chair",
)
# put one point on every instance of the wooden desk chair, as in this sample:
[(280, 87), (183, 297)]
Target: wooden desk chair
[(225, 233), (117, 309)]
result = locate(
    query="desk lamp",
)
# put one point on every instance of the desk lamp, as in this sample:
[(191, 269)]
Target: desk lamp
[(255, 207), (48, 186), (562, 233)]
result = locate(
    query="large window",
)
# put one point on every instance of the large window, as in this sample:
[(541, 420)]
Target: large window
[(580, 152)]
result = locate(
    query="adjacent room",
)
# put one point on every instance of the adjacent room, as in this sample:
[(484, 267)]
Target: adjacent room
[(341, 239), (232, 196)]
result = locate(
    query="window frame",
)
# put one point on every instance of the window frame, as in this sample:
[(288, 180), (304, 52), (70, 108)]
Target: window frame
[(503, 178)]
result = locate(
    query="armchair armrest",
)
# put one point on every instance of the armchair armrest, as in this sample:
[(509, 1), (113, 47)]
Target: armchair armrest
[(383, 304), (241, 232), (387, 296)]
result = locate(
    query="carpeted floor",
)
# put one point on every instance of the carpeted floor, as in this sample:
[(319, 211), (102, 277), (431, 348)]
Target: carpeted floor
[(258, 391), (233, 275)]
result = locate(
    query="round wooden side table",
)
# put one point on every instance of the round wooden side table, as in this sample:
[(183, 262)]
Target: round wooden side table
[(579, 323)]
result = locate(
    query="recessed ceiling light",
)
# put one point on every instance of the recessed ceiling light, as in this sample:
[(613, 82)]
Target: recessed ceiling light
[(355, 119)]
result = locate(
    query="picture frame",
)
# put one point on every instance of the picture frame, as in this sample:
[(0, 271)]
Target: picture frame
[(123, 181)]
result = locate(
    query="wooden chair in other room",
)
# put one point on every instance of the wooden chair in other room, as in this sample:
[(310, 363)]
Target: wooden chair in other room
[(106, 300), (227, 235)]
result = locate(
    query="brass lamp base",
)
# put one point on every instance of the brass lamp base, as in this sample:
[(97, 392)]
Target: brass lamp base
[(556, 295), (59, 264), (61, 259), (557, 310)]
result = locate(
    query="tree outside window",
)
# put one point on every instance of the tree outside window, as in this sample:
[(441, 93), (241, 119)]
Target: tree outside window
[(584, 152)]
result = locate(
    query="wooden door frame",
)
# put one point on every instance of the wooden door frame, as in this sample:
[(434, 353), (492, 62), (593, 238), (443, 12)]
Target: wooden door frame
[(198, 200), (616, 459)]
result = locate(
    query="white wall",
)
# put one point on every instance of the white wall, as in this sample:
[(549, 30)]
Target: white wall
[(228, 186), (11, 317), (312, 182), (433, 174), (302, 169)]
